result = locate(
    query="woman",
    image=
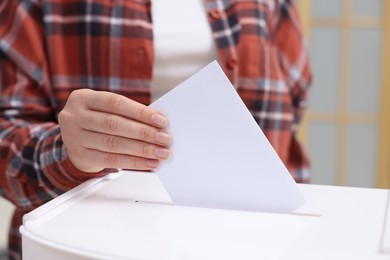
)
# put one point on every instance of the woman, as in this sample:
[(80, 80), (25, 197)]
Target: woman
[(76, 76)]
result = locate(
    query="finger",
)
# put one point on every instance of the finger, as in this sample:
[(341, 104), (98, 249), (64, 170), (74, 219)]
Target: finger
[(120, 126), (102, 160), (116, 104), (120, 145)]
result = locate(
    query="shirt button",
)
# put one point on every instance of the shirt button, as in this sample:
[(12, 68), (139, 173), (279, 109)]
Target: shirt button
[(215, 14), (231, 62)]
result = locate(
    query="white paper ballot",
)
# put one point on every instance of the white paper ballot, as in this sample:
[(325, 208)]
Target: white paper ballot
[(220, 157)]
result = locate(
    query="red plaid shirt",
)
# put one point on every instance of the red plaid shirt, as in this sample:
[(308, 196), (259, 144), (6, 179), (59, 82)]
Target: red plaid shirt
[(48, 48)]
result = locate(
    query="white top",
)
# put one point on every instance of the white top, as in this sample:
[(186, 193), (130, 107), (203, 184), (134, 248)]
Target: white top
[(183, 42)]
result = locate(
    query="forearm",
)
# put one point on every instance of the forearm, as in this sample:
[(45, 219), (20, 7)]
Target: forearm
[(35, 167), (21, 176)]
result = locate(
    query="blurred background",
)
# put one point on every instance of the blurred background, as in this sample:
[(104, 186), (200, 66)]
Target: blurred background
[(347, 126)]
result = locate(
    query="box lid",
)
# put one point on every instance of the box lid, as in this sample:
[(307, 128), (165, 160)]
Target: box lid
[(129, 215)]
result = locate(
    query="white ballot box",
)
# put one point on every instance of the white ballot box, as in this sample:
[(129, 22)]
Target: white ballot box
[(129, 215)]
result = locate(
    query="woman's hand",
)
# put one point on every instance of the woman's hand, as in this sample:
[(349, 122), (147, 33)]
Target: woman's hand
[(105, 130)]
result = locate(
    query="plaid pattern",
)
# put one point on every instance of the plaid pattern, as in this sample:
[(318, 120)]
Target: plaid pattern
[(48, 48)]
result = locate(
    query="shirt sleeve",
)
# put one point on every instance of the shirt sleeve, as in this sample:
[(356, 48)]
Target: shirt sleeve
[(34, 166), (293, 55)]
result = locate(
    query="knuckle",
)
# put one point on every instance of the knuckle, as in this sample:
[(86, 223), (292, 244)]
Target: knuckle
[(62, 116), (145, 132), (143, 113), (111, 159), (76, 100), (139, 163), (110, 123), (114, 102), (66, 119), (79, 94), (146, 150), (73, 95), (111, 142)]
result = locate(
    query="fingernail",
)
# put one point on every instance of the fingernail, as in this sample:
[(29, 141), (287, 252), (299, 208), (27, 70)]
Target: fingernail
[(159, 120), (163, 138), (162, 153), (152, 163)]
